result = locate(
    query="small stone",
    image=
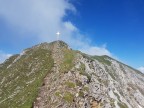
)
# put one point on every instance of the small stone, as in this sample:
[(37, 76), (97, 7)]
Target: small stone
[(77, 94)]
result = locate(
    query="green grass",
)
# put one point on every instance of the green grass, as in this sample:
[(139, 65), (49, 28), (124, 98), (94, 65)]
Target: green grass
[(68, 97), (122, 105), (68, 61), (86, 89), (70, 84), (102, 59), (8, 62), (81, 93), (57, 93), (39, 62), (78, 83)]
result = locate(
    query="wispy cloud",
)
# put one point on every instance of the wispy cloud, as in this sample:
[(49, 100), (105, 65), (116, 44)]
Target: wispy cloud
[(141, 69), (44, 18), (95, 50), (4, 56)]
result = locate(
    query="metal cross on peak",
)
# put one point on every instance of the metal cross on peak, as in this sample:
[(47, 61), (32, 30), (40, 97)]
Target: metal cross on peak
[(58, 35)]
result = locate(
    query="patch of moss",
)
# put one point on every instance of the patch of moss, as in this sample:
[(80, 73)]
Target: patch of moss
[(81, 93), (78, 83), (86, 89), (68, 97), (70, 84), (122, 105), (57, 93)]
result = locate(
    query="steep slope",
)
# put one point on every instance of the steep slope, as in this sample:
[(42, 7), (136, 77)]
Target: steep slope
[(22, 75), (51, 75)]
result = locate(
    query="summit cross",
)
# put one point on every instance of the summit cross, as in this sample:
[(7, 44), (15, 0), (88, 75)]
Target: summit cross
[(58, 35)]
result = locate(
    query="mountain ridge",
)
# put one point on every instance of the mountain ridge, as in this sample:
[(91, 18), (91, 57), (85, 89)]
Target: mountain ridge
[(52, 75)]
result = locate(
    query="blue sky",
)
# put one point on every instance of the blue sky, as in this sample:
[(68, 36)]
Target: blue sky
[(118, 23), (112, 27)]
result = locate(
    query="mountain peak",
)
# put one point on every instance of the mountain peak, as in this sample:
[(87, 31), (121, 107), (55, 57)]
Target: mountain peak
[(60, 43), (51, 45)]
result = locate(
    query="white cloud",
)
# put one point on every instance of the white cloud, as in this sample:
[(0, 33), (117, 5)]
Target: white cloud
[(94, 50), (44, 18), (70, 26), (141, 69), (4, 56)]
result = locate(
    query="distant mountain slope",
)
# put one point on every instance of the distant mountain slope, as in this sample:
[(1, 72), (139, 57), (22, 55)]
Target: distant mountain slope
[(52, 75)]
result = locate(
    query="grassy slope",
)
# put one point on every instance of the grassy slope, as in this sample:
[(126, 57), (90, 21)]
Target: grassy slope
[(68, 61), (23, 79)]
